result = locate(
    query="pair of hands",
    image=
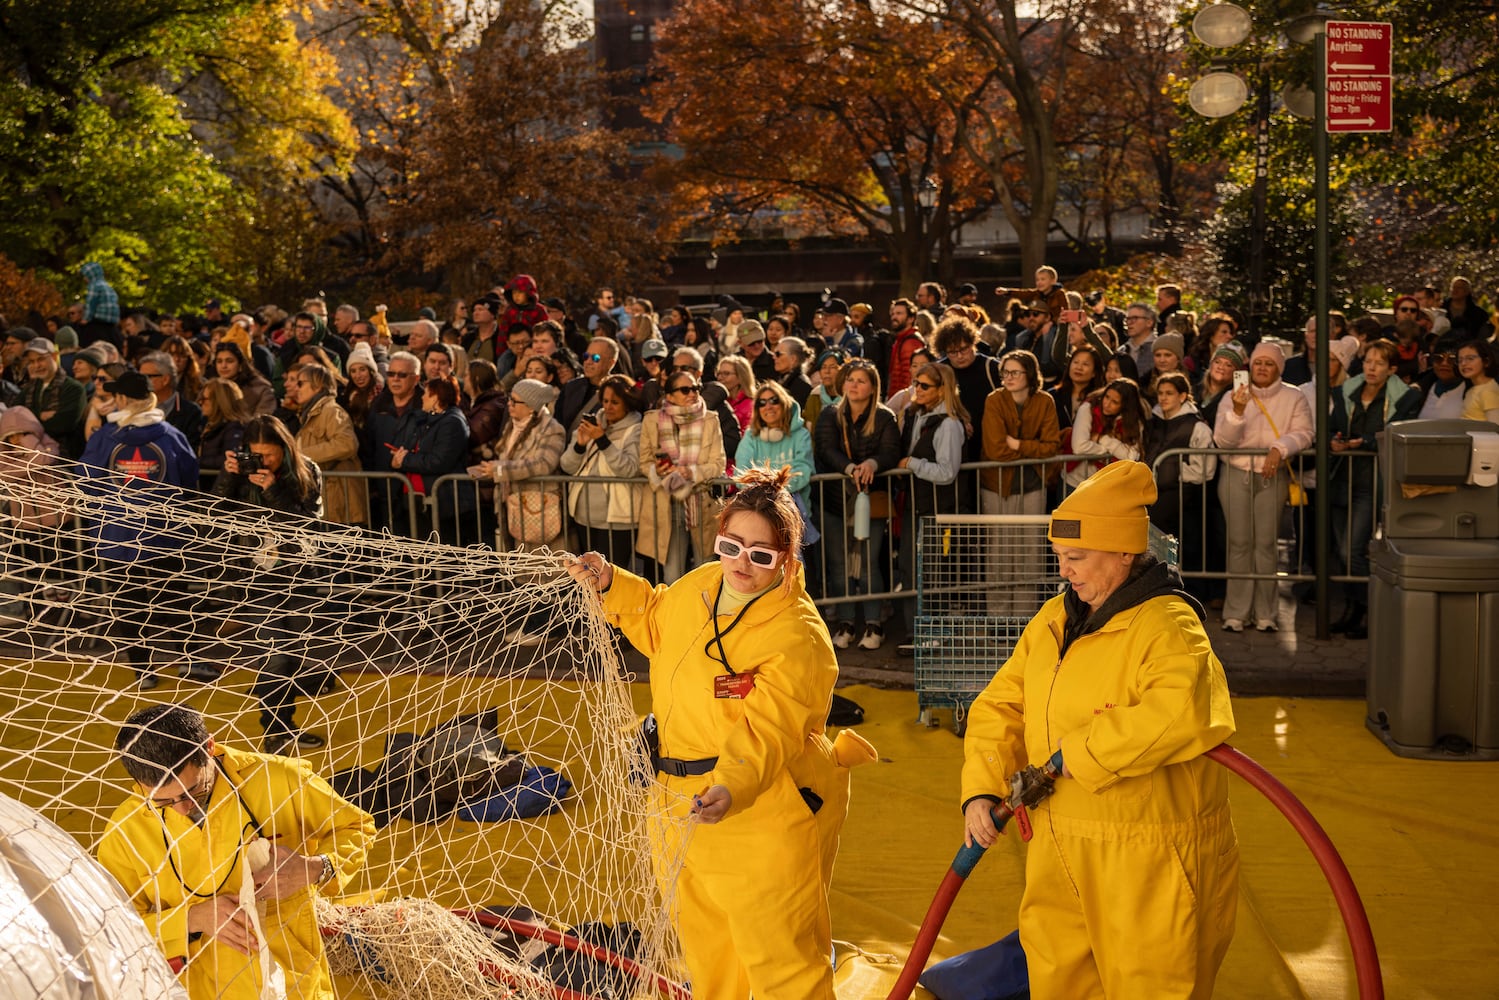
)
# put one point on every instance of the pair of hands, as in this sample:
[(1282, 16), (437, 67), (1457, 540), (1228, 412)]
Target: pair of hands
[(863, 474), (225, 918), (589, 432), (264, 478)]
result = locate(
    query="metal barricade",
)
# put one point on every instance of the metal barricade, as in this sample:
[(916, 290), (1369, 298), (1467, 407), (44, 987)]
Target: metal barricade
[(980, 580), (1200, 521)]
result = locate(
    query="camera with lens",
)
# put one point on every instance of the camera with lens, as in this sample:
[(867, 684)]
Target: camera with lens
[(249, 462)]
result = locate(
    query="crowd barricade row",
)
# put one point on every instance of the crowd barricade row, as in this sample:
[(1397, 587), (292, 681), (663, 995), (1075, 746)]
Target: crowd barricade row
[(1200, 527), (843, 570)]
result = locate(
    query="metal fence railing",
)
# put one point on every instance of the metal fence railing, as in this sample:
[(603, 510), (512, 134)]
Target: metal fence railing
[(637, 526)]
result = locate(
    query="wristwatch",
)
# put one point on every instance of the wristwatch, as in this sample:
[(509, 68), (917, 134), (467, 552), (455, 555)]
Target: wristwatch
[(328, 870)]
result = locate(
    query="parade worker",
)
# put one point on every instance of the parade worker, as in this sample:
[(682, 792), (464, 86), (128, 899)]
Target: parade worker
[(181, 842), (742, 674), (1131, 880)]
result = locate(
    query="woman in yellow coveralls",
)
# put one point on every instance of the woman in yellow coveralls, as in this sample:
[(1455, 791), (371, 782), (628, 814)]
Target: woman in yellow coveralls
[(179, 845), (1131, 880), (742, 674)]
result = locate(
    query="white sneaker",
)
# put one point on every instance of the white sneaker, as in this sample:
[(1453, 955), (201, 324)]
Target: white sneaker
[(843, 635), (1233, 625), (873, 637), (1266, 625)]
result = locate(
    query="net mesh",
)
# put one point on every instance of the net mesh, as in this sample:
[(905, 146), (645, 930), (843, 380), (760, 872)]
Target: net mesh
[(359, 639)]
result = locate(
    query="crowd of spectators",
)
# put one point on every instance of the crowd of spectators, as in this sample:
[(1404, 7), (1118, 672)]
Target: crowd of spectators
[(482, 413)]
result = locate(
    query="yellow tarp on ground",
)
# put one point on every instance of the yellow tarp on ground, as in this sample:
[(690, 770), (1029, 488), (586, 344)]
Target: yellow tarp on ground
[(1418, 836)]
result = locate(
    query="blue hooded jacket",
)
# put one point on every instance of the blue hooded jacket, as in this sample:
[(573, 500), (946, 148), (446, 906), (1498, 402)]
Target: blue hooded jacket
[(138, 474)]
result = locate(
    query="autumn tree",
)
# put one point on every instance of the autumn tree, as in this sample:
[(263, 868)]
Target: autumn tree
[(826, 116), (1030, 53), (1117, 127), (514, 171)]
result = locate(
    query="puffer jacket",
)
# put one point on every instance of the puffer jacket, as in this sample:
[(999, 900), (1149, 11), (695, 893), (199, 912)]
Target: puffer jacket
[(605, 505), (1285, 424), (33, 470)]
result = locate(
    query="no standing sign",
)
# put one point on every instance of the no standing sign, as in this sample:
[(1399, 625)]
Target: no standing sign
[(1360, 89)]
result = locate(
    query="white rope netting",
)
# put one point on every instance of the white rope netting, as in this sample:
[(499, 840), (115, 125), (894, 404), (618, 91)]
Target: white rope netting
[(107, 581)]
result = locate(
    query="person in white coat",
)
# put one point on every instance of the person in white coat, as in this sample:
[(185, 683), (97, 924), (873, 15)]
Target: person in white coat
[(1269, 416)]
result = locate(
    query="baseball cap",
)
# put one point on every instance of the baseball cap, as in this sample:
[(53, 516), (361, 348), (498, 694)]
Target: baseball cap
[(653, 348), (131, 384), (835, 306), (38, 345)]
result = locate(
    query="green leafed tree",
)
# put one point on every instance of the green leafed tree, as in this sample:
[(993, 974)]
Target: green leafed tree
[(132, 132)]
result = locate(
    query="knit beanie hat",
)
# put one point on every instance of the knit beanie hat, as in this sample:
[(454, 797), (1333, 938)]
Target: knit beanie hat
[(1171, 342), (1345, 349), (1107, 513), (1270, 349), (1233, 351), (67, 338), (534, 393), (361, 355)]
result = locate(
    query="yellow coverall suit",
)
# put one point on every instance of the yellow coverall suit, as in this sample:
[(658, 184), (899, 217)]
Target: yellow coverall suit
[(296, 810), (1132, 876), (751, 894)]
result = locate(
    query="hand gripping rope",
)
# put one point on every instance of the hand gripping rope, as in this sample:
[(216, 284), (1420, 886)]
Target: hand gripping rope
[(1032, 785)]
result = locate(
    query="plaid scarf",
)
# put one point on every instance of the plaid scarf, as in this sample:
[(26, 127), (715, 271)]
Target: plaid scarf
[(680, 431)]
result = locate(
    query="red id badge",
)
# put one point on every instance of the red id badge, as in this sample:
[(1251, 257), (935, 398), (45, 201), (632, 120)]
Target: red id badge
[(733, 685)]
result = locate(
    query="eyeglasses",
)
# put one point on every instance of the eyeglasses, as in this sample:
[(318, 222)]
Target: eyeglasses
[(923, 385), (761, 404), (593, 357), (683, 368), (302, 328), (1012, 373), (1407, 309), (154, 375), (1449, 358), (758, 555), (395, 374), (199, 794), (691, 390), (958, 352)]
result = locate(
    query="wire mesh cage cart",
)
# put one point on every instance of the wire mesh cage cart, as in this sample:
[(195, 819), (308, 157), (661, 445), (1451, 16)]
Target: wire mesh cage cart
[(980, 579)]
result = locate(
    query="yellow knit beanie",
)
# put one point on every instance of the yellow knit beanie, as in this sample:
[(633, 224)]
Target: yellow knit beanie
[(1107, 512)]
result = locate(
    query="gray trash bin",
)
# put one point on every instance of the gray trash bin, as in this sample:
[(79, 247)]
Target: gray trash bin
[(1433, 689)]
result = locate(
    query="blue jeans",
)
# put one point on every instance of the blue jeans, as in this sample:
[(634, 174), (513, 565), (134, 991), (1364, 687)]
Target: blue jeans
[(837, 541), (1352, 529)]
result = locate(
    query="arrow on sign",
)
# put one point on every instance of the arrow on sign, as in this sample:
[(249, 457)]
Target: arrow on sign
[(1351, 121), (1351, 67)]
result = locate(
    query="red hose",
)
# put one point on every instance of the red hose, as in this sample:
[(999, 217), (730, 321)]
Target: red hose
[(926, 935), (1355, 920)]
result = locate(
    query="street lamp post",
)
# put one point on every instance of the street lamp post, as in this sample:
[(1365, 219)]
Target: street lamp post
[(926, 200), (1221, 93), (1312, 28)]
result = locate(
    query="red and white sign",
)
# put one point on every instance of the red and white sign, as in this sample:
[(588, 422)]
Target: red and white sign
[(1360, 89)]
